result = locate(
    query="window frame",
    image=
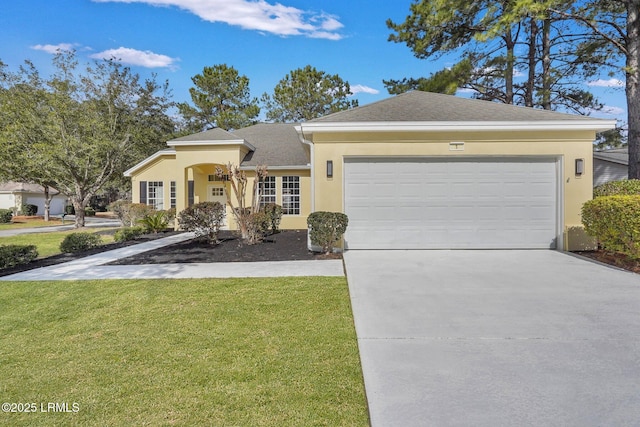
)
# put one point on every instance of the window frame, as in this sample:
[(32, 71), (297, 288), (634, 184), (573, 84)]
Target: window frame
[(268, 190), (155, 194), (291, 193)]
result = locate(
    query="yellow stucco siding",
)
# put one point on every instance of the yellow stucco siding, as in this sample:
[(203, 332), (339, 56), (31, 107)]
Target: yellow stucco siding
[(566, 146), (162, 169)]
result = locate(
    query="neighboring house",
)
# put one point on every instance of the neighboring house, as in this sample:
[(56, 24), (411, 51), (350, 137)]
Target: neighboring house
[(15, 194), (415, 171), (610, 165)]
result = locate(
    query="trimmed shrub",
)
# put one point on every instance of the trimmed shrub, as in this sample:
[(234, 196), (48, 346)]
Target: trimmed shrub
[(128, 233), (626, 187), (204, 219), (257, 226), (89, 211), (78, 242), (69, 210), (155, 222), (12, 255), (170, 214), (274, 214), (5, 216), (615, 222), (326, 229), (29, 210), (130, 213)]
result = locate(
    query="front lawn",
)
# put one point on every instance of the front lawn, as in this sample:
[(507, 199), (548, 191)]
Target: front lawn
[(48, 243), (236, 352)]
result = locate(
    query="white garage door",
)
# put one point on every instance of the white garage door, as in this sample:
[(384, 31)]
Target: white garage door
[(444, 203)]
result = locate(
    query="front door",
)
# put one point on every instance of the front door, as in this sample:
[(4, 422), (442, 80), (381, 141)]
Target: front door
[(216, 193)]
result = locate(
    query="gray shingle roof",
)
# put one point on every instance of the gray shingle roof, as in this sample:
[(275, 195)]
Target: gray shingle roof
[(417, 106), (21, 187), (615, 155), (215, 134), (277, 144)]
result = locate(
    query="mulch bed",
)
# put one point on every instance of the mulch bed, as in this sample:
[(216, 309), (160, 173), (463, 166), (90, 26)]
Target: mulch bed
[(62, 258), (287, 245), (612, 258)]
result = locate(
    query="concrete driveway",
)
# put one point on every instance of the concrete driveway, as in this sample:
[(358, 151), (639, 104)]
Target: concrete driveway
[(496, 338)]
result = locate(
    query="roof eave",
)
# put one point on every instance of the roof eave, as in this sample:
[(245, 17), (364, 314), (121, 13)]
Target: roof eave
[(597, 125), (296, 167), (610, 160), (241, 142)]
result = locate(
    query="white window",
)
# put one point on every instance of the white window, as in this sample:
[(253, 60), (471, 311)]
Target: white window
[(291, 195), (268, 190), (155, 195), (217, 192), (173, 194)]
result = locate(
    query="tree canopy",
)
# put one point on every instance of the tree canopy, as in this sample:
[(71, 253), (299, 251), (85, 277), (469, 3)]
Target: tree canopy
[(79, 129), (307, 93), (221, 99), (513, 51)]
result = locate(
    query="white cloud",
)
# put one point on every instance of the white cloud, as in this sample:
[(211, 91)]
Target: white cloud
[(256, 15), (55, 48), (465, 90), (611, 110), (136, 57), (363, 89), (606, 83)]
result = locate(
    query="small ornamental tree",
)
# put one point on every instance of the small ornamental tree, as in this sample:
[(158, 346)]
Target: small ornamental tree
[(326, 229), (205, 219), (244, 212)]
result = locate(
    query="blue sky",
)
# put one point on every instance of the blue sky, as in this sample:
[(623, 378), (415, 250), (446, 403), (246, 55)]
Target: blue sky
[(262, 39)]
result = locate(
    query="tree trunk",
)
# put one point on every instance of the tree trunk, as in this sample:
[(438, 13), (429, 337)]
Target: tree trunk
[(532, 59), (546, 64), (510, 65), (47, 202), (78, 205), (633, 80)]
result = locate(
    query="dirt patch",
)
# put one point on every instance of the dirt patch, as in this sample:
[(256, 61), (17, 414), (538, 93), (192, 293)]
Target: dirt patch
[(613, 258), (288, 245)]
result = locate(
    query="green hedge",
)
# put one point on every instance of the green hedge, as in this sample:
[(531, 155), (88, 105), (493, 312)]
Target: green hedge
[(78, 242), (615, 222), (128, 233), (274, 214), (12, 255), (326, 229), (29, 209), (5, 216), (627, 187)]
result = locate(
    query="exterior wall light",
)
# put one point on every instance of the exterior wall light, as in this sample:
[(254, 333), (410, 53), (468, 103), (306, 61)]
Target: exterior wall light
[(329, 168), (579, 166)]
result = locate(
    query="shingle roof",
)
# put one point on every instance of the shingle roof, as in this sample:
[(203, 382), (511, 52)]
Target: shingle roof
[(615, 155), (215, 134), (277, 144), (20, 187), (418, 106)]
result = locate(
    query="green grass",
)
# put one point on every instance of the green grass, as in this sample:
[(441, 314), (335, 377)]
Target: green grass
[(48, 243), (226, 352)]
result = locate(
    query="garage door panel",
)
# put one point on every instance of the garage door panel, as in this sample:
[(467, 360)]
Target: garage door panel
[(449, 203)]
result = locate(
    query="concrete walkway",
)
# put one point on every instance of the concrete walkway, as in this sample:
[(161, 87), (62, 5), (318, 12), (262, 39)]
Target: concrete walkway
[(92, 267)]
